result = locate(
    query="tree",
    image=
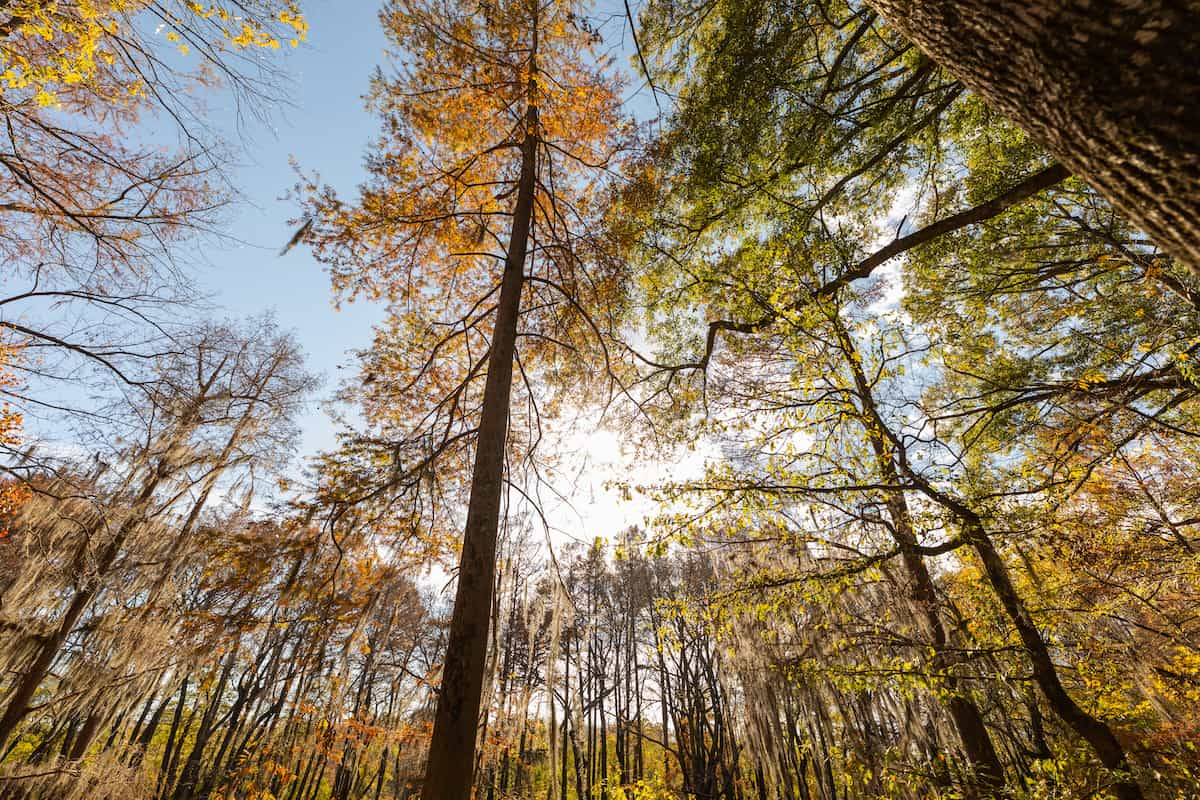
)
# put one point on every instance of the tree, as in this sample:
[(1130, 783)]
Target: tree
[(12, 493), (943, 545), (499, 125), (841, 130), (1109, 88), (94, 195), (195, 428)]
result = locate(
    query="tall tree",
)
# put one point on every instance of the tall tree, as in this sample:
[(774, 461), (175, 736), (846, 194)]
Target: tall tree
[(499, 125)]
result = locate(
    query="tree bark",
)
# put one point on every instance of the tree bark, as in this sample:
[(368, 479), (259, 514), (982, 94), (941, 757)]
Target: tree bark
[(1110, 87), (448, 775)]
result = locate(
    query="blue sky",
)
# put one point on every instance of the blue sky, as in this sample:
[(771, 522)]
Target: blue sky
[(326, 129)]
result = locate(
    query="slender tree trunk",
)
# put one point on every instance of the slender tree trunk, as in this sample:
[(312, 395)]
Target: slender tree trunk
[(602, 764), (68, 737), (314, 788), (455, 723), (552, 654), (562, 792), (639, 750), (114, 730), (135, 735), (300, 786), (174, 741), (382, 773), (87, 732), (968, 721), (1110, 87), (1091, 729), (190, 777), (580, 764)]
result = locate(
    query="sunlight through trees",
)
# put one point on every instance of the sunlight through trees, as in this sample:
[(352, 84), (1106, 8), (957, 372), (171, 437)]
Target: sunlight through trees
[(889, 347)]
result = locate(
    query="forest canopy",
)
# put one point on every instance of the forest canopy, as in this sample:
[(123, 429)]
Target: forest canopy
[(885, 314)]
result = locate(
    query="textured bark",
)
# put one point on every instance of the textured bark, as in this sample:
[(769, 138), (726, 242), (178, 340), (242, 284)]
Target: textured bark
[(1110, 87), (448, 775)]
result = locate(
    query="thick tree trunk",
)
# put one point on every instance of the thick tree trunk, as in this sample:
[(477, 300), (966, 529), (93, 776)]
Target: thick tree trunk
[(448, 775), (1110, 87)]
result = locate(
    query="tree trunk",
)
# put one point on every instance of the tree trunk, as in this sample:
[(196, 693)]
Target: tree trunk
[(166, 773), (87, 732), (29, 681), (965, 714), (190, 777), (454, 728), (1092, 730), (1110, 87)]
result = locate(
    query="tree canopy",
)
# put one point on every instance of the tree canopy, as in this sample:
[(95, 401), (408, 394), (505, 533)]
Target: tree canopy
[(899, 349)]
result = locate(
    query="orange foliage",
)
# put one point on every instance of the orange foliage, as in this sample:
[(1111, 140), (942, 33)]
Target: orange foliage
[(429, 229), (12, 495)]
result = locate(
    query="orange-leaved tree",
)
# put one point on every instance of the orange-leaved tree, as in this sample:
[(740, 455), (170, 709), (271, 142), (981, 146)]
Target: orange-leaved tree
[(12, 493), (477, 224)]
